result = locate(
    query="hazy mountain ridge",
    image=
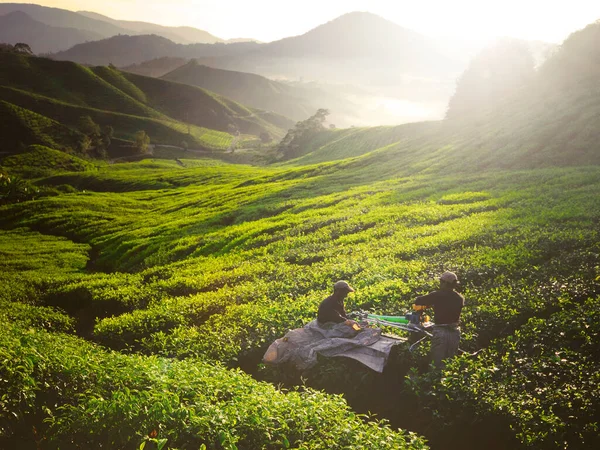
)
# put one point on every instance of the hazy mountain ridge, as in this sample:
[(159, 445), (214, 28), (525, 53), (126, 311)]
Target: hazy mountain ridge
[(179, 35), (86, 26), (57, 17), (360, 35), (112, 50), (18, 26), (354, 36), (126, 50)]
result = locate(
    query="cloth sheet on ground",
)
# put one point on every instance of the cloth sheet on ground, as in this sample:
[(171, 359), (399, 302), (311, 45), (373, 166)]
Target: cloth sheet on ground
[(302, 345)]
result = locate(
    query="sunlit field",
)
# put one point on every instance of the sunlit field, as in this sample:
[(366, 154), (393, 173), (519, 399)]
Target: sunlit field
[(210, 264)]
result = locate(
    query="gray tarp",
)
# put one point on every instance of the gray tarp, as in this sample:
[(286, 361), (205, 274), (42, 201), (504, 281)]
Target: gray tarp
[(301, 346)]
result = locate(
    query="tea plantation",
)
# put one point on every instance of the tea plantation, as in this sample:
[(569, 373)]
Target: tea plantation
[(132, 299), (138, 298)]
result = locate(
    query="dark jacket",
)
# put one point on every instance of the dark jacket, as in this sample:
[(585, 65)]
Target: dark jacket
[(332, 310), (447, 305)]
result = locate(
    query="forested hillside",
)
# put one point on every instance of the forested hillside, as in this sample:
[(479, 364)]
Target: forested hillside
[(138, 298)]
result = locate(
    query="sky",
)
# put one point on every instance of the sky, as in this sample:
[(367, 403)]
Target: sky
[(268, 20)]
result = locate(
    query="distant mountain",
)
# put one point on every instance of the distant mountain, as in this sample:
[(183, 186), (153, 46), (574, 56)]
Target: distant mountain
[(156, 67), (402, 75), (91, 26), (179, 35), (360, 35), (54, 95), (20, 27), (359, 47), (120, 50), (355, 48), (57, 17), (354, 36), (126, 50)]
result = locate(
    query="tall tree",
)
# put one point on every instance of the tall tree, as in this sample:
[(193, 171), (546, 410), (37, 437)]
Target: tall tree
[(142, 140)]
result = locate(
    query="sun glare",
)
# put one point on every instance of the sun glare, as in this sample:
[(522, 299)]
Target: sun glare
[(467, 20)]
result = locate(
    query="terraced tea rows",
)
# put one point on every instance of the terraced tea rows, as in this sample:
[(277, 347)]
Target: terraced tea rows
[(214, 261)]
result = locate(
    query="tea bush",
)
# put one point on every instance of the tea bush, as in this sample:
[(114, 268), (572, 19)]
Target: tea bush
[(70, 392), (543, 381), (212, 262)]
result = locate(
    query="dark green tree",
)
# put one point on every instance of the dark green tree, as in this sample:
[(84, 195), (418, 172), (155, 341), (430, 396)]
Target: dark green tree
[(14, 189), (142, 140), (291, 145), (87, 126), (21, 47), (97, 139)]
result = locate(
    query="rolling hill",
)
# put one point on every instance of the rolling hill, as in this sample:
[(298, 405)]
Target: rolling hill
[(295, 100), (156, 67), (249, 89), (62, 92)]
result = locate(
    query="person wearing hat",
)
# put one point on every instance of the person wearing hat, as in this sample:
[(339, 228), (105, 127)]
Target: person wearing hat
[(332, 308), (447, 305)]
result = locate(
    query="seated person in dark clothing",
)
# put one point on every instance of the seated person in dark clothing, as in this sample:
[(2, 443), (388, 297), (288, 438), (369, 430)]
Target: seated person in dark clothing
[(447, 305), (332, 308)]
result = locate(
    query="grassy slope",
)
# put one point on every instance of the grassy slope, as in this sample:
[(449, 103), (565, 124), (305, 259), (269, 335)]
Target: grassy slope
[(161, 131), (559, 130), (181, 102), (70, 83), (21, 127), (227, 259), (38, 161), (156, 67), (64, 91)]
